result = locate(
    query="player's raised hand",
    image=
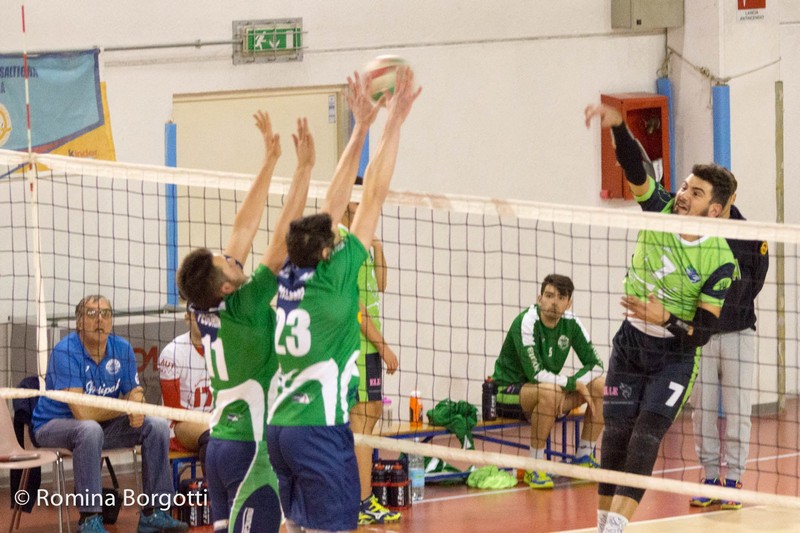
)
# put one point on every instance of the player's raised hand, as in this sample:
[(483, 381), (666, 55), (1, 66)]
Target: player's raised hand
[(272, 141), (361, 105), (609, 117), (405, 93), (304, 144)]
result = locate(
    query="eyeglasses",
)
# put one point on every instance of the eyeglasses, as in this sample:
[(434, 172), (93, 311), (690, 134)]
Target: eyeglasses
[(105, 313), (229, 258)]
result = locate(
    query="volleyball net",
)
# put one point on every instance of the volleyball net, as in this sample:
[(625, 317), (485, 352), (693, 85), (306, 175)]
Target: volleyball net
[(459, 270)]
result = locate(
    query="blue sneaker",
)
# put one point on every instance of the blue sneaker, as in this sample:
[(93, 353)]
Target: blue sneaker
[(700, 501), (93, 524), (159, 521), (586, 461)]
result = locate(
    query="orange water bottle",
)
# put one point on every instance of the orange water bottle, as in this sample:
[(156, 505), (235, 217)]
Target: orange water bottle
[(415, 408)]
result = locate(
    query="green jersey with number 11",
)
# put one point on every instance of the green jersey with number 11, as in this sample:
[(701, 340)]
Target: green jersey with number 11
[(317, 340), (237, 340)]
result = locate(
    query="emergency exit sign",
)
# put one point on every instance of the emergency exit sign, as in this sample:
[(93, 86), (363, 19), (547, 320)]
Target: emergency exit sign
[(259, 41), (269, 39)]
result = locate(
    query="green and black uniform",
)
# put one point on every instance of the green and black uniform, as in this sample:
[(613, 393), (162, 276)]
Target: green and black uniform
[(651, 371), (534, 353)]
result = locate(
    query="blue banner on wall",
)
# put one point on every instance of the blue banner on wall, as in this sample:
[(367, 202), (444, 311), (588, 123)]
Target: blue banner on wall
[(65, 99)]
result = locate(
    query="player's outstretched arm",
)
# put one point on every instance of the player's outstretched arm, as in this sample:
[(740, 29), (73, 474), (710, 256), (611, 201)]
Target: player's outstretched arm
[(248, 218), (364, 113), (381, 272), (295, 202), (629, 152), (380, 169)]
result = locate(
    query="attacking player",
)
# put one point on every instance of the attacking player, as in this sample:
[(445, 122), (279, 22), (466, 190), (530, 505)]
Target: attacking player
[(237, 325), (317, 339), (674, 291)]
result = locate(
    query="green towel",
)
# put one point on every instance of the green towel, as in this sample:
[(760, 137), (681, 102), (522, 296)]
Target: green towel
[(490, 477), (458, 417)]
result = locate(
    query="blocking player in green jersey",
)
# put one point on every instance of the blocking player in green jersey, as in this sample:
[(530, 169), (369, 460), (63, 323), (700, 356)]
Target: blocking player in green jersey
[(529, 379), (317, 337), (237, 325), (674, 292)]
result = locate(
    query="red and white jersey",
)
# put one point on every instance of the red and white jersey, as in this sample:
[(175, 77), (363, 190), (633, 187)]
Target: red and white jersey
[(180, 360)]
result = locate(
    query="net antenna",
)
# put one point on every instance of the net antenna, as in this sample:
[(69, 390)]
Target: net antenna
[(36, 258)]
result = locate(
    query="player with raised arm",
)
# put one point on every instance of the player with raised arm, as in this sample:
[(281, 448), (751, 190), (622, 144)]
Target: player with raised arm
[(237, 325), (674, 291), (317, 339)]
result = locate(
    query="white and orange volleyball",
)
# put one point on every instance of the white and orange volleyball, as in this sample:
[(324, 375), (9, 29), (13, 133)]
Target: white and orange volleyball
[(382, 72)]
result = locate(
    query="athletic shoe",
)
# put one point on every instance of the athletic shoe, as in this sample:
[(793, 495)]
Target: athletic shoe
[(160, 521), (93, 524), (700, 501), (731, 505), (537, 479), (586, 461), (372, 512)]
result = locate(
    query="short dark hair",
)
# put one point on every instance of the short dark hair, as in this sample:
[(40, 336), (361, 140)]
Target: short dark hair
[(199, 280), (89, 298), (307, 238), (723, 183), (563, 284)]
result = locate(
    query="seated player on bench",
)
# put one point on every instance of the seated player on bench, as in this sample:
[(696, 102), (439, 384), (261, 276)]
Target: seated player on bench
[(185, 385), (529, 379)]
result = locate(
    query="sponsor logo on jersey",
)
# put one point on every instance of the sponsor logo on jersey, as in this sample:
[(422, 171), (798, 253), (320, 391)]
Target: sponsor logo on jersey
[(626, 391), (113, 366), (563, 342), (301, 398), (91, 388), (692, 274)]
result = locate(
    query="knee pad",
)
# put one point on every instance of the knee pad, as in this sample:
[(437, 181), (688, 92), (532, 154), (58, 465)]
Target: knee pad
[(645, 440), (614, 446)]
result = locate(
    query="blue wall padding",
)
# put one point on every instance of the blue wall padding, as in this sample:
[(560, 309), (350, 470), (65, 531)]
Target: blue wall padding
[(664, 88), (171, 160), (721, 107)]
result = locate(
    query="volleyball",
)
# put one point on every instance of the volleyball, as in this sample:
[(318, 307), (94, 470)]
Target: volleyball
[(381, 72)]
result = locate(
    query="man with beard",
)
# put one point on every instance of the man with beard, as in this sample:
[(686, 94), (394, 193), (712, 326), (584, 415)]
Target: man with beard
[(674, 291)]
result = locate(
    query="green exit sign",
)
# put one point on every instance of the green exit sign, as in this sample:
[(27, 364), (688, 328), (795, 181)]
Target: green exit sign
[(267, 40), (272, 39)]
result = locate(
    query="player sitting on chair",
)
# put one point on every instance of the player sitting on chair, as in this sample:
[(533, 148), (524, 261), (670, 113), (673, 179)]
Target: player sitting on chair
[(94, 361), (529, 379), (184, 385)]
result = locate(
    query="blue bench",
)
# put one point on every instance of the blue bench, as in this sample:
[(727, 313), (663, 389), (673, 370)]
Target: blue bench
[(483, 431)]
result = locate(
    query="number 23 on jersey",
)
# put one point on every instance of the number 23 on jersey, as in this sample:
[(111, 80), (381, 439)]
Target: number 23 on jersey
[(292, 334)]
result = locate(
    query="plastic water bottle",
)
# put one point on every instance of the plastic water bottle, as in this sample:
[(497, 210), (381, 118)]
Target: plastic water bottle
[(489, 399), (416, 474), (415, 409), (386, 417)]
